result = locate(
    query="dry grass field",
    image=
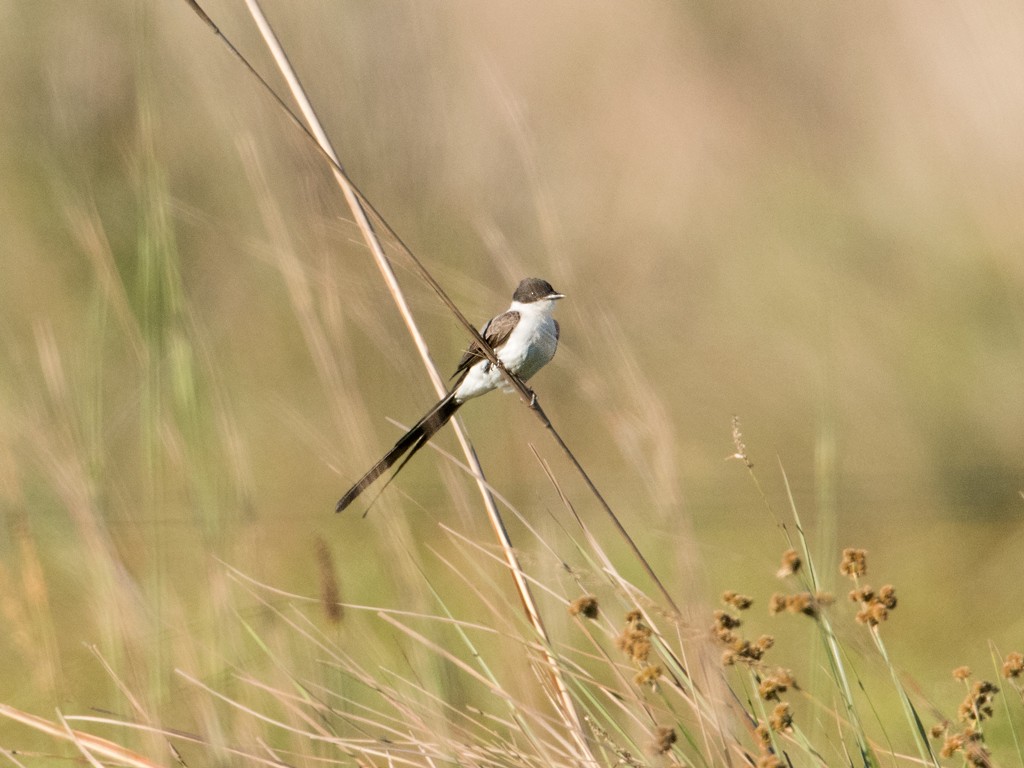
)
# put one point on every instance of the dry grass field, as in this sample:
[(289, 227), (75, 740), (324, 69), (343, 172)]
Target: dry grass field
[(792, 243)]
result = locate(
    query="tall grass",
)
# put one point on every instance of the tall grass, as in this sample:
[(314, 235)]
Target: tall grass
[(462, 680)]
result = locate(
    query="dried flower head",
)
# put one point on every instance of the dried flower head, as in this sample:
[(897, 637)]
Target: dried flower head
[(763, 736), (887, 596), (968, 742), (752, 652), (874, 606), (781, 718), (772, 685), (664, 738), (769, 760), (736, 600), (1014, 665), (863, 594), (978, 755), (585, 606), (724, 625), (872, 614), (977, 705), (726, 620), (953, 744), (739, 649), (635, 639), (961, 673), (791, 563), (648, 675), (854, 563), (800, 602)]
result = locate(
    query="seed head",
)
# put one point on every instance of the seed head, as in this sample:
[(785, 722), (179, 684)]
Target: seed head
[(585, 606), (791, 563), (854, 563), (737, 601), (664, 738), (648, 675), (1014, 665), (781, 718)]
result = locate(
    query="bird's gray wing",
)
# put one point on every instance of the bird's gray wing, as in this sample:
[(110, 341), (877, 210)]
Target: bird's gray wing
[(495, 333)]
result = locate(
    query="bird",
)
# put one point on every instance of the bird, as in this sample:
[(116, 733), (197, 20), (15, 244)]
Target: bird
[(524, 338)]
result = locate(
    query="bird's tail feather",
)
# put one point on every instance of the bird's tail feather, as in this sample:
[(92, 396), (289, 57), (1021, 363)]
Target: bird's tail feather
[(407, 445)]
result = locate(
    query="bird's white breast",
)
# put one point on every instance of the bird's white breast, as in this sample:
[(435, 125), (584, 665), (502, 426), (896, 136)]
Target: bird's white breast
[(529, 347)]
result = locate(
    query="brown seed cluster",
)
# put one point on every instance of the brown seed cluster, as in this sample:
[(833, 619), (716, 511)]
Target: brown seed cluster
[(874, 606), (791, 563), (738, 648), (806, 603), (585, 606), (725, 622), (664, 738), (778, 682), (764, 737), (767, 758), (970, 743), (977, 705), (771, 684), (635, 640), (782, 717), (800, 602), (746, 651), (1013, 667), (736, 600), (648, 675), (854, 563), (961, 673)]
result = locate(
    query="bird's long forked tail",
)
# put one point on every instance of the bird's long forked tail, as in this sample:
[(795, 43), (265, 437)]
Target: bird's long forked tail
[(407, 446)]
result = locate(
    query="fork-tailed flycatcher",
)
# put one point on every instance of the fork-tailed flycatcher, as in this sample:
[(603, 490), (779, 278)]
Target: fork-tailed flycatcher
[(524, 338)]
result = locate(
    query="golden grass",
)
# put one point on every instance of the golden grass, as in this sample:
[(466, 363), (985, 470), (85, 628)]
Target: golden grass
[(197, 359)]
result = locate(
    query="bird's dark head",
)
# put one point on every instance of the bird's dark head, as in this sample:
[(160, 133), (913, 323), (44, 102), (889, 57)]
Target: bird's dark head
[(534, 289)]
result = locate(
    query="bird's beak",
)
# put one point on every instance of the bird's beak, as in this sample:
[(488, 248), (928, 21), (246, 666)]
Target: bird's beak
[(554, 296)]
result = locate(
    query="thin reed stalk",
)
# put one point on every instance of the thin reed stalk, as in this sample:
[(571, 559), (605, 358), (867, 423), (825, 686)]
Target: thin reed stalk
[(565, 702)]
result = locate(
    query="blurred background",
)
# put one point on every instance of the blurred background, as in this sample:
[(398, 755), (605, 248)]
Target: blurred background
[(807, 216)]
